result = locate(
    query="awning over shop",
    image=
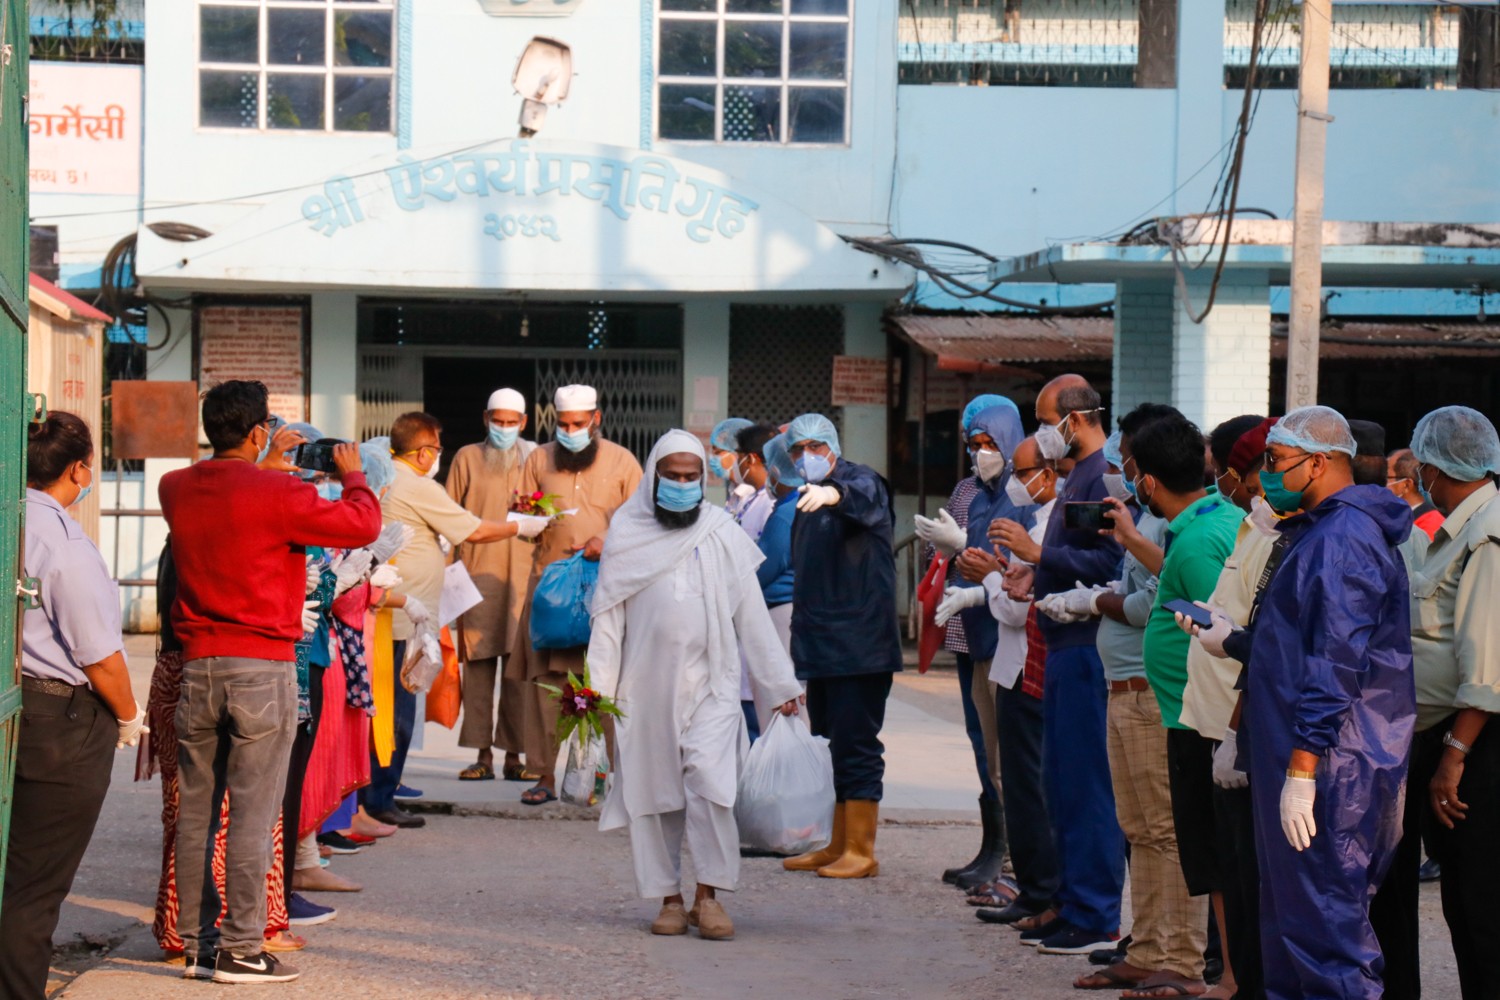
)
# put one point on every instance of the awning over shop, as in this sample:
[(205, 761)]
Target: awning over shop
[(566, 219)]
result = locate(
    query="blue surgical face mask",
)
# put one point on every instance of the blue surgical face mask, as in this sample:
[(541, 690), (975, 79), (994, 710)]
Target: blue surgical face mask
[(575, 441), (504, 438), (1421, 486), (265, 449), (814, 467), (330, 490), (678, 497), (84, 491)]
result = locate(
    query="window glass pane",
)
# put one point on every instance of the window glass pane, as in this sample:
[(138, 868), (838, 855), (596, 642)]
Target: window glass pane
[(752, 114), (820, 6), (817, 50), (752, 48), (229, 34), (294, 37), (362, 103), (816, 114), (685, 111), (692, 5), (294, 100), (753, 6), (687, 48), (361, 39), (228, 100)]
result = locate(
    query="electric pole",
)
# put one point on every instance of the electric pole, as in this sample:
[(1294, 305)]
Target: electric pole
[(1307, 214)]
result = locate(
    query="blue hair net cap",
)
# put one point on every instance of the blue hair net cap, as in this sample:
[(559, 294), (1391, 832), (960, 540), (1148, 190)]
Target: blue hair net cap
[(1458, 441), (1112, 451), (779, 462), (979, 404), (1314, 429), (814, 427), (723, 436), (380, 471)]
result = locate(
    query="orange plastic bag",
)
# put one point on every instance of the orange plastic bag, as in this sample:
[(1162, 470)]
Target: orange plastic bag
[(446, 696)]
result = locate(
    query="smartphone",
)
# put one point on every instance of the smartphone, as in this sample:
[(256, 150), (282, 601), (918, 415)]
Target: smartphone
[(316, 456), (1201, 617), (1086, 517)]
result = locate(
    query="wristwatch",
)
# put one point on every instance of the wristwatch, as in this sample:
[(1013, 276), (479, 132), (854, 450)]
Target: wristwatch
[(1459, 745)]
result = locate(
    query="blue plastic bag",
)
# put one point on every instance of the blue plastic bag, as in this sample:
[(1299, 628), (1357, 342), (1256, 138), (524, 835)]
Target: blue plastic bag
[(560, 607)]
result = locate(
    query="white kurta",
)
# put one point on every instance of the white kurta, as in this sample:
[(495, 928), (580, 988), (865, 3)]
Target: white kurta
[(682, 726)]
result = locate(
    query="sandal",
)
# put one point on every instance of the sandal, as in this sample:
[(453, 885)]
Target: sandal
[(518, 772), (1034, 923), (477, 772), (999, 893), (1164, 985), (538, 795), (1120, 976)]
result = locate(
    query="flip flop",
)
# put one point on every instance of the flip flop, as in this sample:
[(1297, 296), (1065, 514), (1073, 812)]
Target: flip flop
[(477, 772), (518, 772), (538, 796), (1113, 977), (1164, 985)]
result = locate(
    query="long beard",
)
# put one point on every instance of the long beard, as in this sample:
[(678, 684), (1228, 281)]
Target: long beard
[(674, 519), (496, 460), (576, 461)]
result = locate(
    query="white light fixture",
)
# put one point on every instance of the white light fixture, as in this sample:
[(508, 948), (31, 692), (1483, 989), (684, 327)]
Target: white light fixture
[(543, 75)]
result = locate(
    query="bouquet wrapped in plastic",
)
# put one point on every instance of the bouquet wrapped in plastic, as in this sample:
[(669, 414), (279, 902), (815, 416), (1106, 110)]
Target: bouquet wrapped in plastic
[(581, 725)]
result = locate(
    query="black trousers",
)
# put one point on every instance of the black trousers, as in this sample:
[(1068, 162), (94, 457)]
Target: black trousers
[(1018, 717), (1239, 873), (850, 711), (67, 745), (1394, 909), (302, 748)]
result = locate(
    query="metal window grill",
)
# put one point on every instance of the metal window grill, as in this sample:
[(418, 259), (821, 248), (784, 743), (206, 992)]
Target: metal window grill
[(111, 31), (781, 361)]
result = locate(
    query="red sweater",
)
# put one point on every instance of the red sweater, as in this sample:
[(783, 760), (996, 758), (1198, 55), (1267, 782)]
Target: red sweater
[(238, 537)]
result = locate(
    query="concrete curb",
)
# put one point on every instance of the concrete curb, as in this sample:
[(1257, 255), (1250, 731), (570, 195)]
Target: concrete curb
[(559, 812)]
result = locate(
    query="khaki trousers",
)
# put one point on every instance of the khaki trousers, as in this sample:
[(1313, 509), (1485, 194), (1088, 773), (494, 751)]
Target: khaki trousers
[(539, 714), (1171, 928), (983, 692), (483, 724)]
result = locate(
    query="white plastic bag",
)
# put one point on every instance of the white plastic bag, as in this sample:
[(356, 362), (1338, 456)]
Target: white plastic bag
[(585, 776), (424, 659), (785, 800)]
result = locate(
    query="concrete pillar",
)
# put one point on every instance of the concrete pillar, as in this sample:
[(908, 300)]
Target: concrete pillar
[(1221, 367), (705, 364), (864, 436), (1143, 345), (335, 364)]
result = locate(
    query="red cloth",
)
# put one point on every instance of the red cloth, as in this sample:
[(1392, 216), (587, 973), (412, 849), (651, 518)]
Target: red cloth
[(340, 758), (1033, 674), (929, 595), (1430, 522), (238, 537)]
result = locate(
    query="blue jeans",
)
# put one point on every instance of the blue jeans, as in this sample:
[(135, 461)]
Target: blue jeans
[(1080, 795), (971, 724), (380, 794)]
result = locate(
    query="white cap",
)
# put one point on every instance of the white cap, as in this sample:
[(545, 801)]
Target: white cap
[(507, 399), (574, 398)]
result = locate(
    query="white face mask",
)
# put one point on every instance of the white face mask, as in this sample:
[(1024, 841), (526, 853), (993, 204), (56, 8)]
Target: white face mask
[(988, 465), (1019, 493), (432, 470), (1114, 485), (1262, 518), (1050, 440)]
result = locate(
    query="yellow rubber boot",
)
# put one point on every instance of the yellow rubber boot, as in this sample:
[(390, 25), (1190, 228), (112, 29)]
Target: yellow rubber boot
[(858, 861), (813, 860)]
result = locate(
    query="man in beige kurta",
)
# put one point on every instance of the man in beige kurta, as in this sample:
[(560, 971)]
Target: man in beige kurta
[(592, 477), (484, 478)]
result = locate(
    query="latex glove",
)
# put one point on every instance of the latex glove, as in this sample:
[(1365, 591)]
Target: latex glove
[(351, 569), (1211, 638), (816, 497), (392, 539), (314, 574), (309, 617), (1117, 587), (385, 577), (1297, 822), (1225, 773), (1080, 600), (130, 731), (445, 545), (1054, 607), (416, 610), (955, 599), (942, 533), (531, 525)]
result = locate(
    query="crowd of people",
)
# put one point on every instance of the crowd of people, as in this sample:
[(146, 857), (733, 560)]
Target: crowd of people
[(1249, 670)]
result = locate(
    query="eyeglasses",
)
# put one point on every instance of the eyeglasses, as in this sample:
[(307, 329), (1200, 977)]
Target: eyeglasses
[(816, 447)]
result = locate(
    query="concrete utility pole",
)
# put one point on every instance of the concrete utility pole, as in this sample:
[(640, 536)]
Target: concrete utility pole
[(1307, 213)]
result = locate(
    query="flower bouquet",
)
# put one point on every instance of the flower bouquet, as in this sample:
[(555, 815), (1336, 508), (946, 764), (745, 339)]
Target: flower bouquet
[(536, 504), (582, 727)]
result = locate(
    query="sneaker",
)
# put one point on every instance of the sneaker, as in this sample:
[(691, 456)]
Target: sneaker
[(1070, 940), (1032, 938), (201, 967), (1430, 871), (304, 912), (337, 843), (261, 968), (407, 792)]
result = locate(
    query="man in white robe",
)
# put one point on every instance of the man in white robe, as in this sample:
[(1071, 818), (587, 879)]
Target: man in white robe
[(677, 599)]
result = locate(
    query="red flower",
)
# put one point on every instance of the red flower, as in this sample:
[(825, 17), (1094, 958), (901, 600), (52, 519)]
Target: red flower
[(537, 495)]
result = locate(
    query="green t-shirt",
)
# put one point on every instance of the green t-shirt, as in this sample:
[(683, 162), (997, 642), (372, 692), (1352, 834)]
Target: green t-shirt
[(1198, 541)]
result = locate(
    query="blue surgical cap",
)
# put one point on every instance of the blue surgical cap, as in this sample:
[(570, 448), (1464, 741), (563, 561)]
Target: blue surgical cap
[(1112, 451), (979, 404), (1313, 429), (380, 471), (814, 427), (779, 462), (723, 437), (1459, 442)]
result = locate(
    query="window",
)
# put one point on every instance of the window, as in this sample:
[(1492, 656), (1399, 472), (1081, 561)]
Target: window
[(308, 65), (774, 71)]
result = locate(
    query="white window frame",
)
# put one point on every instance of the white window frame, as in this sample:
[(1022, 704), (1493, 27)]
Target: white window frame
[(719, 81), (262, 67)]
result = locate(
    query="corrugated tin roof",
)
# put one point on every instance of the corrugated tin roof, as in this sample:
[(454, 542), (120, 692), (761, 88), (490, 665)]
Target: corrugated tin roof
[(1409, 340)]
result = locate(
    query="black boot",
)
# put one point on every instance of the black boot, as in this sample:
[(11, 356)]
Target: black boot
[(991, 858), (987, 822)]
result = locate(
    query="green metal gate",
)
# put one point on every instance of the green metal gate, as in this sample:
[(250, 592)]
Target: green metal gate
[(15, 409)]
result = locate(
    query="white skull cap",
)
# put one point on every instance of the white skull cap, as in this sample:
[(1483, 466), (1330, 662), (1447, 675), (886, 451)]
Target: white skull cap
[(507, 399), (571, 398)]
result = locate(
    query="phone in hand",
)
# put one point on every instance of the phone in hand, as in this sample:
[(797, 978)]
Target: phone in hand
[(1087, 516), (317, 456), (1201, 617)]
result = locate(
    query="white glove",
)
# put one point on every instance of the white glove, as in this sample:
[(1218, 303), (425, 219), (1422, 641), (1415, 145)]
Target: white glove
[(351, 568), (1080, 600), (416, 610), (1117, 587), (314, 574), (531, 525), (1211, 638), (1054, 607), (130, 732), (943, 533), (1225, 773), (445, 545), (309, 617), (816, 497), (385, 577), (393, 538), (955, 599), (1297, 822)]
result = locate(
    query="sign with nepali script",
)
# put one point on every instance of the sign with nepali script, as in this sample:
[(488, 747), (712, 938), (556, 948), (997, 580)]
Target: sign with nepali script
[(85, 125), (263, 343)]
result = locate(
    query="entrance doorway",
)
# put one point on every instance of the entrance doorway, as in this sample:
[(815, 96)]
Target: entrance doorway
[(455, 390)]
